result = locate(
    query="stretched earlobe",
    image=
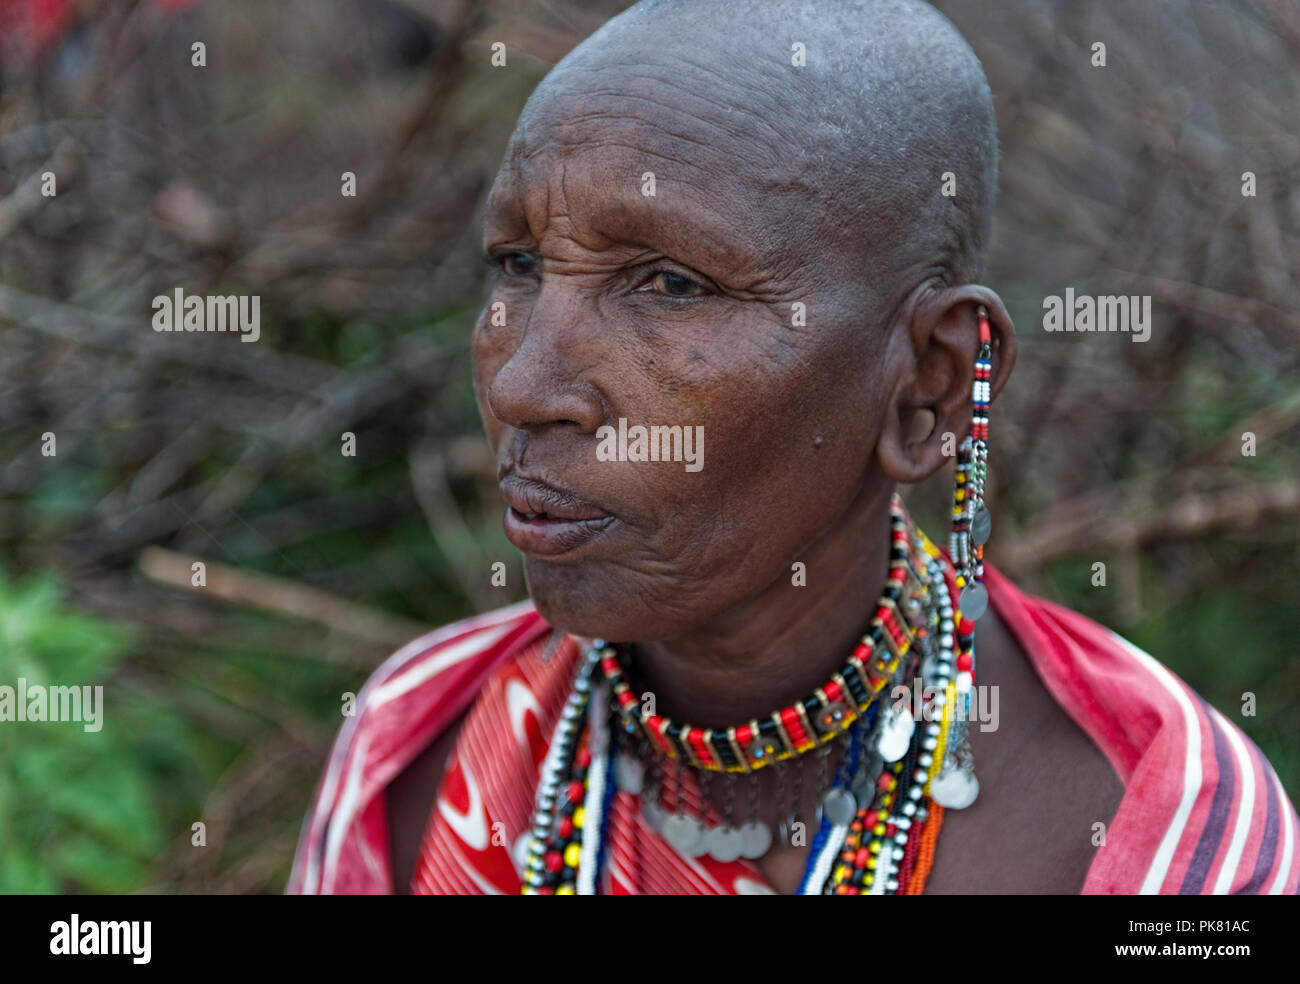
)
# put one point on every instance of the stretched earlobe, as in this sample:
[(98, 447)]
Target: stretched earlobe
[(903, 450), (922, 426), (947, 329)]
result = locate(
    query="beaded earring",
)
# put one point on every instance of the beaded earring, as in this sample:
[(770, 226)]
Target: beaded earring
[(971, 523), (956, 786)]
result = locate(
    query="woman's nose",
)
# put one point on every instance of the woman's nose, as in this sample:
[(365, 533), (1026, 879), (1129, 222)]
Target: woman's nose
[(546, 378)]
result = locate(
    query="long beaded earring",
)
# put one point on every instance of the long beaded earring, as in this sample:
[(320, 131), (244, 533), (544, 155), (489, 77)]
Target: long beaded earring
[(955, 786), (971, 523)]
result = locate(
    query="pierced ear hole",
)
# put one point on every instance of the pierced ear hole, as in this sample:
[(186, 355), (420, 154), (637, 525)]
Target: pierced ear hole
[(922, 425)]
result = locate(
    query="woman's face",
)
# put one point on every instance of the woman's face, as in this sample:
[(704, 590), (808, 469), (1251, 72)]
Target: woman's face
[(712, 305)]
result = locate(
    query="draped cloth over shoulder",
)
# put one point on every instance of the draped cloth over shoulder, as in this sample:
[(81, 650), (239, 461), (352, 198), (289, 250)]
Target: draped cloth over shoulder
[(1202, 813)]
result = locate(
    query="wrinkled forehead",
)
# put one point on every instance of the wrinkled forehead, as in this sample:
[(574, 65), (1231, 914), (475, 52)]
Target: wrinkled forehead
[(687, 151)]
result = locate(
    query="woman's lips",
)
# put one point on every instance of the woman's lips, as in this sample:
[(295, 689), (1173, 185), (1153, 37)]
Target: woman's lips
[(546, 521)]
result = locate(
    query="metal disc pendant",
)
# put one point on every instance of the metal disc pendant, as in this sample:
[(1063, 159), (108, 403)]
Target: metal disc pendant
[(981, 527), (654, 816), (863, 786), (954, 789), (974, 600), (724, 843), (683, 833), (895, 735), (701, 847), (839, 807), (756, 840)]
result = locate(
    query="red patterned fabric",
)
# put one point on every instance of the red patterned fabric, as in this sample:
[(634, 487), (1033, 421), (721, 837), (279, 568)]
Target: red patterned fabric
[(1202, 813), (485, 804)]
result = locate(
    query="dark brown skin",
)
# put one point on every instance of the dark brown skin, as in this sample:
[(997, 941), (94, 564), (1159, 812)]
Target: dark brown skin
[(676, 309)]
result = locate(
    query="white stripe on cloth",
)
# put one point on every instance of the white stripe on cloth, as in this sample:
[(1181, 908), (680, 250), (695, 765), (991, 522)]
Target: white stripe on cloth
[(1192, 777), (344, 743), (341, 820), (426, 670)]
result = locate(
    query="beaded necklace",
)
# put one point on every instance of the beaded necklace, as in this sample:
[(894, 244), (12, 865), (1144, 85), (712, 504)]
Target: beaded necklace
[(879, 818)]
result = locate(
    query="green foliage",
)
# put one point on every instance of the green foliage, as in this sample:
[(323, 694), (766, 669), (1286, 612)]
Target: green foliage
[(98, 811), (75, 806)]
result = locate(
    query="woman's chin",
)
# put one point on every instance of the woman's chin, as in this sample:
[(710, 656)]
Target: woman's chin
[(590, 622), (595, 606)]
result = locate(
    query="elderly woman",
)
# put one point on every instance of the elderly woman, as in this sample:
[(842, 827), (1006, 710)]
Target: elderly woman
[(744, 669)]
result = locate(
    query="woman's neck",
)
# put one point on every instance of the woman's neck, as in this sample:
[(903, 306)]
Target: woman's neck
[(785, 641)]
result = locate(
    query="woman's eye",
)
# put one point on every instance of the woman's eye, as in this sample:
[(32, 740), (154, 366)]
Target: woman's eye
[(518, 264), (673, 285)]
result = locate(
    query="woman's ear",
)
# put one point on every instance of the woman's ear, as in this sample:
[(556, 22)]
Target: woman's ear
[(929, 411)]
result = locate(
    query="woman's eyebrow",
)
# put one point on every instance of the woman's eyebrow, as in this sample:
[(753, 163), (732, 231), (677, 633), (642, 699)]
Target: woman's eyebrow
[(683, 232), (707, 228)]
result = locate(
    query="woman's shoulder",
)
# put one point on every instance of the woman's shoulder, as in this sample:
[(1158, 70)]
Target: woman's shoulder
[(1203, 810), (404, 705)]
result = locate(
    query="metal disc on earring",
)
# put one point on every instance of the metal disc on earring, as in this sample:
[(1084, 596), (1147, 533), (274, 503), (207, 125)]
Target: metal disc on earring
[(981, 527), (725, 843), (654, 816), (839, 807), (683, 833), (974, 600), (756, 840)]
